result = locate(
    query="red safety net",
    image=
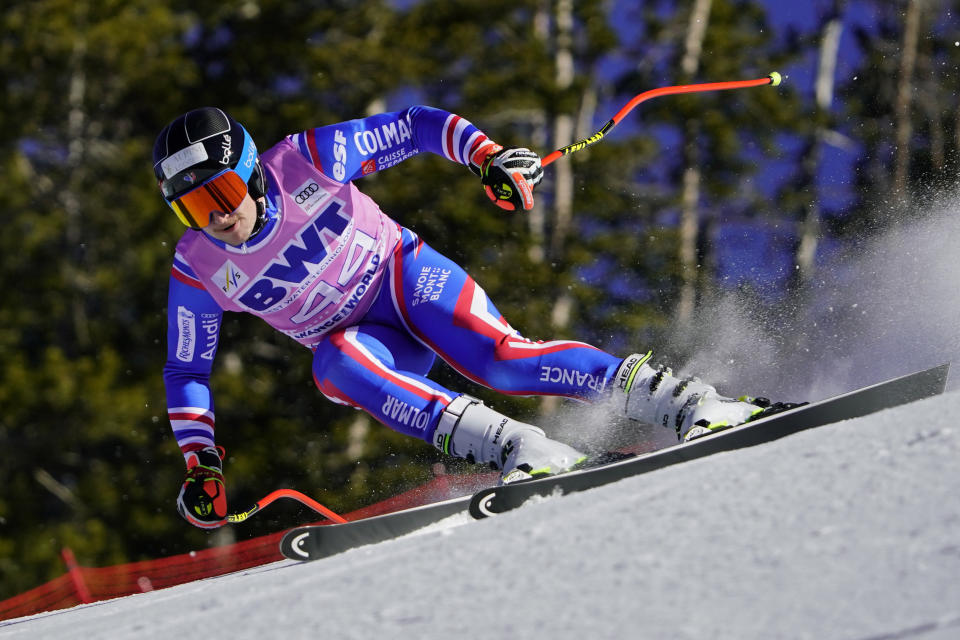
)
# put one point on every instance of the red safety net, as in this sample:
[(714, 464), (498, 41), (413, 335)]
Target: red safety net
[(90, 584)]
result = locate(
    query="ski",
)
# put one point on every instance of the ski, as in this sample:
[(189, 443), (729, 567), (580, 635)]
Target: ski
[(312, 542), (861, 402)]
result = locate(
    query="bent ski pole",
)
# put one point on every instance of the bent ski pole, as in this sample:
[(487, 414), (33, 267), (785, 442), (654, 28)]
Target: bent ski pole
[(286, 493), (773, 79)]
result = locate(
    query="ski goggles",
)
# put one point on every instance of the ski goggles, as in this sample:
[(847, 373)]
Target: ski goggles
[(222, 193)]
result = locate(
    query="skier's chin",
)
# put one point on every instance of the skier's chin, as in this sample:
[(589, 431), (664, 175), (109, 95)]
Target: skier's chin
[(234, 234)]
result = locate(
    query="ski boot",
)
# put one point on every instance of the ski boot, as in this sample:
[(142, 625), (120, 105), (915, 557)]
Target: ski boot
[(470, 430), (686, 405)]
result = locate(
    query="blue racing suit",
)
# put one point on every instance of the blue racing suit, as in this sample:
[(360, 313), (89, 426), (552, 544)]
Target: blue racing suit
[(425, 305)]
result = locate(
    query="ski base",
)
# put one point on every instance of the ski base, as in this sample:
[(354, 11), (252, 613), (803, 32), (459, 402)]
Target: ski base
[(861, 402)]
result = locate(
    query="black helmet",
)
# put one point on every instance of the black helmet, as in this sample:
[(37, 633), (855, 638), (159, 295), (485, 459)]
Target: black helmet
[(198, 147)]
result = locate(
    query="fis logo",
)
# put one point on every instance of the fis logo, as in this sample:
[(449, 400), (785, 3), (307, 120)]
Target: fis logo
[(229, 278)]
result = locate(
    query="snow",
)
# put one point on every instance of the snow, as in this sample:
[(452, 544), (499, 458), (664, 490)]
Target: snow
[(846, 531), (850, 530)]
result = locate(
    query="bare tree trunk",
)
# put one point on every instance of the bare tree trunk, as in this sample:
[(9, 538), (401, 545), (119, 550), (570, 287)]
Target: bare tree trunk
[(956, 129), (938, 139), (563, 171), (689, 228), (824, 89), (76, 151), (563, 129), (537, 217), (690, 197), (908, 61), (696, 31), (929, 99)]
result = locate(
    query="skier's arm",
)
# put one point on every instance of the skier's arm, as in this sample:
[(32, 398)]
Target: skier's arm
[(356, 148), (193, 329), (349, 150)]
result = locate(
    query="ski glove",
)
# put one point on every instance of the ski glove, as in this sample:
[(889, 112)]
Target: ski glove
[(508, 175), (203, 497)]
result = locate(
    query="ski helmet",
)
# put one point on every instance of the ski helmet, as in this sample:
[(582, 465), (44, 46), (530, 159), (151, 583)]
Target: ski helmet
[(206, 161)]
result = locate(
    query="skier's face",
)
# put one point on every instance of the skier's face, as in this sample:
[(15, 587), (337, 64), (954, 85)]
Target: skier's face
[(234, 227)]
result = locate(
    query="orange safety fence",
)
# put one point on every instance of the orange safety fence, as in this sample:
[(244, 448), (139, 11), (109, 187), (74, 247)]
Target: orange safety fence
[(90, 584)]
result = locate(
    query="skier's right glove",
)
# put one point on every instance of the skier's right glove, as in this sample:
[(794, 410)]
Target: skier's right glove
[(203, 497), (508, 175)]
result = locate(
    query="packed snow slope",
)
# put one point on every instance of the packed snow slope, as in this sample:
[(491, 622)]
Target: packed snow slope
[(846, 531)]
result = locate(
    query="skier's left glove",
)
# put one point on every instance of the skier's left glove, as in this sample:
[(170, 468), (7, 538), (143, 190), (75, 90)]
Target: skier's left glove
[(508, 175), (203, 497)]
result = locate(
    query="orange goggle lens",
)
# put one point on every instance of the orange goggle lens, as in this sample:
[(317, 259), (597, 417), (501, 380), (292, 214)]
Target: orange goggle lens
[(224, 193)]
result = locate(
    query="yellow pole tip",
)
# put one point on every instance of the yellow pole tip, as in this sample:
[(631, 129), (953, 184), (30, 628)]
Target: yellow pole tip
[(775, 79)]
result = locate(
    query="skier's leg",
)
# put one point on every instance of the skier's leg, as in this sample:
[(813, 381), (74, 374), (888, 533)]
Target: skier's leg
[(421, 298), (446, 310), (381, 370), (439, 304)]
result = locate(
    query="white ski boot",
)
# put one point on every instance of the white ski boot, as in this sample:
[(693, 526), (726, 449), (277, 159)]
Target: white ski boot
[(468, 429), (690, 407)]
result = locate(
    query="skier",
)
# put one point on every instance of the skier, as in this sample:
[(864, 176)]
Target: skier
[(287, 236)]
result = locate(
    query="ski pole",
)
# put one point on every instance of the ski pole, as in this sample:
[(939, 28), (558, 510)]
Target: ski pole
[(773, 79), (286, 493)]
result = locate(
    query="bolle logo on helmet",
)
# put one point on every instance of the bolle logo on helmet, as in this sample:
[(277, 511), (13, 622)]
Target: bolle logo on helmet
[(306, 192), (226, 144)]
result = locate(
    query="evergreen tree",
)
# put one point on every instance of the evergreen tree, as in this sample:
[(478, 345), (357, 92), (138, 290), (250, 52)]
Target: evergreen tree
[(84, 264), (89, 460)]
